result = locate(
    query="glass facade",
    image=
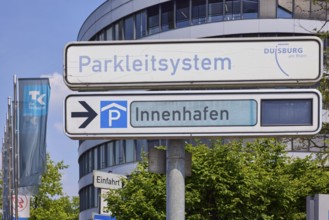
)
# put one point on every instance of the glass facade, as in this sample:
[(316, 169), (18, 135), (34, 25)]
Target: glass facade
[(167, 16), (153, 20), (215, 10), (128, 30), (140, 27), (110, 154), (250, 9), (199, 12), (89, 197), (179, 14), (182, 14)]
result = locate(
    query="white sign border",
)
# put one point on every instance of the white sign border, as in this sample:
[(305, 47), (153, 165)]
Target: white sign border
[(285, 130), (188, 83)]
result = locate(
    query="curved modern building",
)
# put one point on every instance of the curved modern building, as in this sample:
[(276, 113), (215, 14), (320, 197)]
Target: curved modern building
[(174, 19)]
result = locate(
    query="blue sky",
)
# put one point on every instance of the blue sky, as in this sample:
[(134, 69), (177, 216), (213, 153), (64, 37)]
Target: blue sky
[(32, 40)]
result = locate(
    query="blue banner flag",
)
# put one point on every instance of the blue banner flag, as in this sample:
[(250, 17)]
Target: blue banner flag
[(33, 97)]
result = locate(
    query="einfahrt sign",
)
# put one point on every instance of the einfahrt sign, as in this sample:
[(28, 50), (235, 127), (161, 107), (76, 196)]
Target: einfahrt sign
[(106, 180)]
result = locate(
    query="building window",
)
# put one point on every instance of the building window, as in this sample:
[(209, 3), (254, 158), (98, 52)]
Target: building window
[(129, 28), (101, 36), (96, 196), (141, 148), (81, 165), (140, 20), (95, 156), (198, 11), (167, 16), (250, 9), (88, 197), (130, 150), (232, 10), (119, 153), (110, 154), (102, 156), (153, 20), (182, 14), (90, 161), (117, 35), (215, 10), (109, 33)]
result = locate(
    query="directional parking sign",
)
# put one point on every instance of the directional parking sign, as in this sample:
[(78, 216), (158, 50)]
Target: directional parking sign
[(182, 114)]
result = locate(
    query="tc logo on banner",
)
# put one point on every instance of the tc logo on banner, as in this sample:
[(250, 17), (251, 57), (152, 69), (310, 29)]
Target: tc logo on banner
[(113, 114), (35, 100)]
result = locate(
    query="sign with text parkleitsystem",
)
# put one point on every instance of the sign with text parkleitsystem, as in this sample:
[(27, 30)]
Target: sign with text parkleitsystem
[(193, 63)]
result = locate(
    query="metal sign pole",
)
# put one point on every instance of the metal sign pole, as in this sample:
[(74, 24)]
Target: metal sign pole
[(10, 156), (175, 180), (15, 120)]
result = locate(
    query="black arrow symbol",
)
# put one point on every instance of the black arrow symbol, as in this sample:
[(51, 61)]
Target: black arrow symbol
[(90, 114)]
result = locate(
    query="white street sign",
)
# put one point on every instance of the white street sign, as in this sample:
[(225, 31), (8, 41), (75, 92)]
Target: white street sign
[(105, 180), (103, 203), (182, 114), (23, 206), (193, 63)]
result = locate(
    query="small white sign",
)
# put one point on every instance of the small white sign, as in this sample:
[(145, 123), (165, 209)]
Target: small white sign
[(105, 180), (103, 203), (193, 63), (23, 204)]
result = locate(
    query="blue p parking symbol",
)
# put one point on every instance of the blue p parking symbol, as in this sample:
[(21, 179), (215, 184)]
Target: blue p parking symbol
[(113, 114)]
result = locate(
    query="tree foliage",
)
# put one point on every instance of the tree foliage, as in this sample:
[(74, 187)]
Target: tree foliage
[(143, 197), (50, 202), (256, 180)]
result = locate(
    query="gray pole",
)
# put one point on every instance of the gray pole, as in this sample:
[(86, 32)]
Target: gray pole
[(175, 185), (15, 120), (10, 156)]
